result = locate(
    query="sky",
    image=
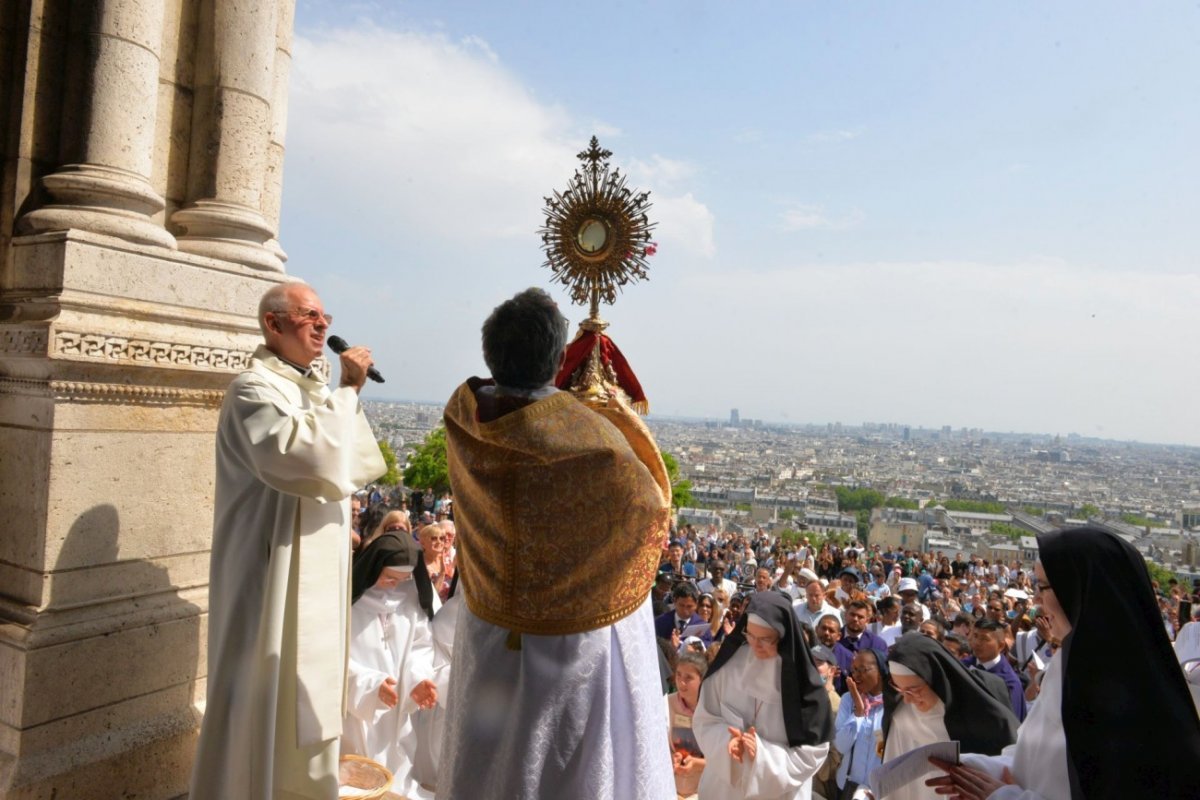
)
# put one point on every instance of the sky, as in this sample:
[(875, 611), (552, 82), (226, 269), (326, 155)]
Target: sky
[(982, 215)]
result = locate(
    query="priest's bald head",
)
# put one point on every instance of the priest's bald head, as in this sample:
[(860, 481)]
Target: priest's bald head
[(524, 340), (293, 322)]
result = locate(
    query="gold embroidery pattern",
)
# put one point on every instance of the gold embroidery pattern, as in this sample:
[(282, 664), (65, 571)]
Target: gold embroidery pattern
[(561, 516)]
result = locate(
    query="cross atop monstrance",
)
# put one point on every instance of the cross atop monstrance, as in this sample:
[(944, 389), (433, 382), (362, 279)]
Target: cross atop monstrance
[(597, 238)]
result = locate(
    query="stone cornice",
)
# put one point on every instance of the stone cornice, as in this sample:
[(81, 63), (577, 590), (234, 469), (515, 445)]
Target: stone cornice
[(111, 392)]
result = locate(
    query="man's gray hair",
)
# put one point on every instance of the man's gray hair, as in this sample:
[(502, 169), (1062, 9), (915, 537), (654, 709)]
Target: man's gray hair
[(275, 301), (523, 340)]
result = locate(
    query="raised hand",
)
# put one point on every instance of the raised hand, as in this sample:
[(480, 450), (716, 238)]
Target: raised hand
[(860, 705)]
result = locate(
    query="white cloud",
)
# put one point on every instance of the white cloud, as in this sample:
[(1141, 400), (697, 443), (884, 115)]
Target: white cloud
[(834, 136), (799, 217), (685, 224), (665, 173), (393, 129)]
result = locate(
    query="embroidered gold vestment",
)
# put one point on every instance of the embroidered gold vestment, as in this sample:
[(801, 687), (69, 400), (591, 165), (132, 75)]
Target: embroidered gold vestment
[(561, 512)]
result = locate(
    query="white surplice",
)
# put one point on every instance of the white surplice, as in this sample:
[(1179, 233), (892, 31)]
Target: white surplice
[(390, 637), (577, 716), (745, 692), (430, 723), (289, 453), (1038, 759)]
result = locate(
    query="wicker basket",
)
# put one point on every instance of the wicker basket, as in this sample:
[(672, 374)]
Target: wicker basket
[(370, 779)]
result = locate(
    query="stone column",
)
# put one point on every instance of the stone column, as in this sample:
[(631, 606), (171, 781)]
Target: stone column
[(273, 179), (108, 124), (115, 352), (230, 133)]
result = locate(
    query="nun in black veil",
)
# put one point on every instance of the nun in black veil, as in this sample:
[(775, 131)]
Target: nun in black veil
[(1114, 718), (763, 715), (932, 697)]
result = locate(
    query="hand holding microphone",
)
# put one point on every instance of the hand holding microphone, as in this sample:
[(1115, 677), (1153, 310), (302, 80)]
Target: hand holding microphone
[(356, 363)]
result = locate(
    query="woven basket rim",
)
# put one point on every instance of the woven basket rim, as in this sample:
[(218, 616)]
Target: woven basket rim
[(374, 794)]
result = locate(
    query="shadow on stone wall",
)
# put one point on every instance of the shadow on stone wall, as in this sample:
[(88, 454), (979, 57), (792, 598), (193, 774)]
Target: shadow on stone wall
[(117, 666)]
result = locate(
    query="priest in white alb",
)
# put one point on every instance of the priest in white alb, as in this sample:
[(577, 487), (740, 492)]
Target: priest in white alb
[(290, 451), (561, 512)]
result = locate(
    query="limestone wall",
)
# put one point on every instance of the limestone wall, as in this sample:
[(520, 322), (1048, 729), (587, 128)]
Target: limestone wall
[(141, 150)]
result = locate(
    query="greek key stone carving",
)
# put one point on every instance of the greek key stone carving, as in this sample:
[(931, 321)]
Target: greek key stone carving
[(116, 348), (23, 342)]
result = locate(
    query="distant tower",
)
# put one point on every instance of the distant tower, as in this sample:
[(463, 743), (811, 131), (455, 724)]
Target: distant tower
[(734, 420)]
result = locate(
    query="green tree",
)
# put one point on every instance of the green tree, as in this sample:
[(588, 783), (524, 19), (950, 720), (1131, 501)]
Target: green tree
[(1011, 531), (972, 506), (392, 476), (1142, 522), (1087, 511), (857, 499), (1034, 510), (862, 518), (901, 502), (427, 468), (681, 490), (1160, 574), (787, 515)]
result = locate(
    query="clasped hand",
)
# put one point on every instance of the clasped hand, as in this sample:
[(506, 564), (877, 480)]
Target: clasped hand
[(743, 745)]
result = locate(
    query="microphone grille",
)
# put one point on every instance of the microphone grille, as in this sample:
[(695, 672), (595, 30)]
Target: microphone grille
[(337, 344)]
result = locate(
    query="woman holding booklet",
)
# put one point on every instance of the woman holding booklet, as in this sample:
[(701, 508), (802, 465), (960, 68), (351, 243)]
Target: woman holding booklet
[(1109, 722)]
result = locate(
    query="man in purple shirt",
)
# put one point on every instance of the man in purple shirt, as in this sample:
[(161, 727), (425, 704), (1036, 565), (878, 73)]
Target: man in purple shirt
[(987, 643), (855, 637)]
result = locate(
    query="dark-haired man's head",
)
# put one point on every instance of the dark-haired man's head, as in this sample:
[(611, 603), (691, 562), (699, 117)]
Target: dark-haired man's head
[(988, 639), (857, 614), (686, 598), (524, 339)]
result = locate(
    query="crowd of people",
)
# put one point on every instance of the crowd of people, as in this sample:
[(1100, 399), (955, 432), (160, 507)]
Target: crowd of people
[(904, 648), (917, 647), (514, 656)]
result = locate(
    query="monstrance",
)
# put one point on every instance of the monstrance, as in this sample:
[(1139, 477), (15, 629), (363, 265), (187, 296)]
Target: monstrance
[(597, 238)]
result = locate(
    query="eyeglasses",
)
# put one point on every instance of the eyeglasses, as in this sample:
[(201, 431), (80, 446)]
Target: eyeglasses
[(913, 692), (862, 670), (311, 315), (762, 641)]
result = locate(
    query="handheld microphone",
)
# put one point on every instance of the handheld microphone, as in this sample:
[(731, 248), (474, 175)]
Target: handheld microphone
[(338, 345)]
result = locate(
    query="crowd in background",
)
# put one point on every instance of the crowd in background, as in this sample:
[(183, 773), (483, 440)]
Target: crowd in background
[(852, 604)]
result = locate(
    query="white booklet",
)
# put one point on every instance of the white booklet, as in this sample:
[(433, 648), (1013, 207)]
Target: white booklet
[(903, 770)]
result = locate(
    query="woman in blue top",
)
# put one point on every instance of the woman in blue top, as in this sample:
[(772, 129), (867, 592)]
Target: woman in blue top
[(858, 730)]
